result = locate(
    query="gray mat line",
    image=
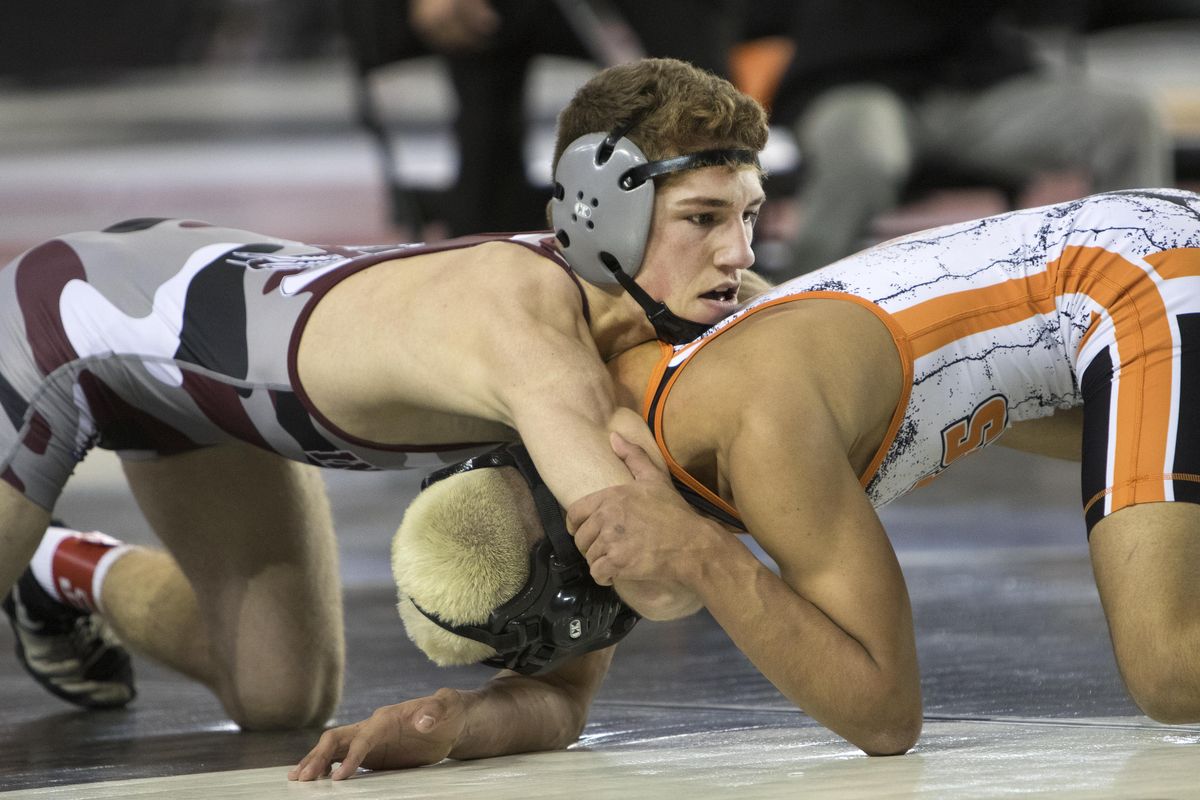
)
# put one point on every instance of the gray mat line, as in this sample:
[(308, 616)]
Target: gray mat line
[(1134, 723)]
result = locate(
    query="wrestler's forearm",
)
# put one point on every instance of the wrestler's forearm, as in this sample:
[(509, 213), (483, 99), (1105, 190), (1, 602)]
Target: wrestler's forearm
[(571, 445), (518, 714), (657, 600), (869, 698), (589, 464)]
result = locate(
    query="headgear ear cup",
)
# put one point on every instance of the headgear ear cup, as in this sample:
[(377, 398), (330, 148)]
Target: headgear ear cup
[(594, 213)]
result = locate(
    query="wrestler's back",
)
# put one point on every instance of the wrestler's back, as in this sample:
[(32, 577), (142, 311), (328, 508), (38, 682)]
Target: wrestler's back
[(828, 352), (992, 320)]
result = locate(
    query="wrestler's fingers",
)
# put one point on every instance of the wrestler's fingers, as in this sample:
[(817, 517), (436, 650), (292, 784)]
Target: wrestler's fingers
[(297, 773), (436, 711), (426, 723), (601, 570), (319, 759), (639, 464), (300, 771), (582, 509), (360, 746), (587, 533)]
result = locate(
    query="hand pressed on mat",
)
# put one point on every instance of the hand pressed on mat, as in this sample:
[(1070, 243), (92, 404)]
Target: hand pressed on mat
[(409, 734)]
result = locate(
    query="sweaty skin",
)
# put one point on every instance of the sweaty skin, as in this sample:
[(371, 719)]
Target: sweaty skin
[(701, 218), (436, 369)]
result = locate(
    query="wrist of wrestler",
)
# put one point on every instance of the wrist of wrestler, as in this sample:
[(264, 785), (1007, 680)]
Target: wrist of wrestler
[(467, 746), (714, 549), (509, 714)]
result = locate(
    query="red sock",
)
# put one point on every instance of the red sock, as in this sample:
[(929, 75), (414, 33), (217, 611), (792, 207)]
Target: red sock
[(71, 566)]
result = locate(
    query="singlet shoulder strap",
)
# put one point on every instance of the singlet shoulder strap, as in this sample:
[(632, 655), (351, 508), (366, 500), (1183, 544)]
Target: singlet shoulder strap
[(695, 493), (706, 506), (544, 244), (668, 370)]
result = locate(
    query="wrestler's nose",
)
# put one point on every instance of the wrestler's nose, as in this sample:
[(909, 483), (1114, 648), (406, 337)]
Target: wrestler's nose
[(734, 251)]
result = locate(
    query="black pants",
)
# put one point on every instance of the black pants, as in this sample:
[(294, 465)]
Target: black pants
[(492, 192)]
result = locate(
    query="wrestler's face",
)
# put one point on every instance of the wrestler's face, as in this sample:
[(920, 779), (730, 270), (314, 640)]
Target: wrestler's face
[(700, 240)]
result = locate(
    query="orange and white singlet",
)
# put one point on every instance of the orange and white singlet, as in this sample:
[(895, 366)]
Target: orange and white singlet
[(1094, 302)]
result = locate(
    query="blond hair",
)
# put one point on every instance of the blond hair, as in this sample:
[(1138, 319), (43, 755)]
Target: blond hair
[(461, 551), (678, 109)]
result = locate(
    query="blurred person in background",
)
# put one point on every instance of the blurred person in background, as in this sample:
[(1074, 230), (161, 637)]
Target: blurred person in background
[(878, 91), (488, 48)]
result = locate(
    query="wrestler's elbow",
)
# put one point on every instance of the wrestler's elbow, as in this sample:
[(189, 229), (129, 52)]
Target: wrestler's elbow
[(892, 739), (892, 729)]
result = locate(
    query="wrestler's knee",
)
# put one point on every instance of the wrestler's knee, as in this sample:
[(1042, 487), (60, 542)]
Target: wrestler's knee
[(1164, 683), (303, 697)]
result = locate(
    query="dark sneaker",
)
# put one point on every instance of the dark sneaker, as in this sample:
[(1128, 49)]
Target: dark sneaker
[(70, 652)]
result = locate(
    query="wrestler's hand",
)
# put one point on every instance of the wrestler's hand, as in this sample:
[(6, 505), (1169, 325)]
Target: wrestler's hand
[(410, 734), (640, 531)]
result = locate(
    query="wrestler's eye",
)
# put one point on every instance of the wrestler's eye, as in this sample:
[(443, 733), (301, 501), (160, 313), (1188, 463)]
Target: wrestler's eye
[(702, 219)]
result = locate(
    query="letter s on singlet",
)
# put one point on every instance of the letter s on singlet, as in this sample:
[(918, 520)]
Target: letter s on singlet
[(979, 428)]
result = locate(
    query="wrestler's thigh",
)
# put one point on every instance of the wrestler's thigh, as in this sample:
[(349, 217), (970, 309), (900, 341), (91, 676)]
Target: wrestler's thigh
[(22, 524), (252, 533), (1147, 564)]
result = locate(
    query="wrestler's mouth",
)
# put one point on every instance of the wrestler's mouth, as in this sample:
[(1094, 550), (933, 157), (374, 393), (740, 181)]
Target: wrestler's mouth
[(727, 294)]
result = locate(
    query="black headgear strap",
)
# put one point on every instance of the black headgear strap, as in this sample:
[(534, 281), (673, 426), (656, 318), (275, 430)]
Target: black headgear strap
[(668, 326), (560, 611), (721, 157)]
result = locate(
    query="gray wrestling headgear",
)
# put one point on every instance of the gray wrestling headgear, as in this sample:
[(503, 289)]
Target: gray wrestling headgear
[(602, 207), (597, 209)]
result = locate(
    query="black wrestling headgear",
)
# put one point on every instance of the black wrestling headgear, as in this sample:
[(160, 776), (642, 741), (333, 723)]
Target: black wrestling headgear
[(560, 612)]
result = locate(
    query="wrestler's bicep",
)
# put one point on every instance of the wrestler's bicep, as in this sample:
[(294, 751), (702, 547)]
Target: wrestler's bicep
[(803, 503)]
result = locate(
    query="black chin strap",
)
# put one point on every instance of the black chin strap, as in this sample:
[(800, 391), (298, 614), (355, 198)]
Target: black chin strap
[(667, 326)]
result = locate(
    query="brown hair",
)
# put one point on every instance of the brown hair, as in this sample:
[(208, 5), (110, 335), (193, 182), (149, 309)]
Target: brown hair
[(677, 109)]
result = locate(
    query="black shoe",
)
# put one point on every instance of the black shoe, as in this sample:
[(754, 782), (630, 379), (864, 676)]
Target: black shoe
[(70, 652)]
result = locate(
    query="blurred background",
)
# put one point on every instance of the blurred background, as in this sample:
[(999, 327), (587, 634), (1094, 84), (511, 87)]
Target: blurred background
[(333, 121), (369, 121)]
